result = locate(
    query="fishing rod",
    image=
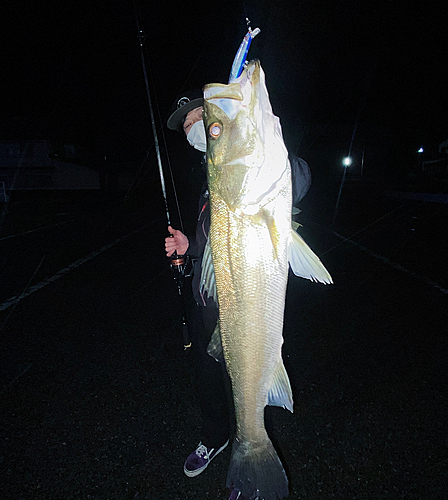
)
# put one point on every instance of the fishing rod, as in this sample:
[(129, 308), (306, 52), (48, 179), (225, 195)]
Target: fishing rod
[(141, 37), (178, 263)]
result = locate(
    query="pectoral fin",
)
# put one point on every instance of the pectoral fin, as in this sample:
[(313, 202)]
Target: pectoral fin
[(280, 393), (208, 281), (304, 262), (267, 219)]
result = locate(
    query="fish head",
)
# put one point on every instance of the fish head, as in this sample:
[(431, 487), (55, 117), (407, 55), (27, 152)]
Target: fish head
[(246, 154)]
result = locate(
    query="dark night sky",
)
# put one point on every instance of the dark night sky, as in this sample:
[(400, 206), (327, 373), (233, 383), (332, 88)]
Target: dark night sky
[(74, 66)]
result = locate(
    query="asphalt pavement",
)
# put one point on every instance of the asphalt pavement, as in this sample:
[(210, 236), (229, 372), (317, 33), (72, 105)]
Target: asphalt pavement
[(96, 398)]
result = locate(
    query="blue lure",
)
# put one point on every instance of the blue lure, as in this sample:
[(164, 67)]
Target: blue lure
[(240, 58)]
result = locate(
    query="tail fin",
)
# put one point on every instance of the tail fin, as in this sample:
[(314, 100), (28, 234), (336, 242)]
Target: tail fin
[(255, 470)]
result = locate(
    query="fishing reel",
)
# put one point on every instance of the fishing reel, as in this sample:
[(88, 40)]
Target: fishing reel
[(180, 265)]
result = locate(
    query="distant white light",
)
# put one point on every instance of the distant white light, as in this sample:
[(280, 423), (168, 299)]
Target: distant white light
[(421, 150), (347, 161)]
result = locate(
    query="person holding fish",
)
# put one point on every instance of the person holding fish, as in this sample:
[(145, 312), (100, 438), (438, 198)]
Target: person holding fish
[(244, 246), (262, 470), (202, 314)]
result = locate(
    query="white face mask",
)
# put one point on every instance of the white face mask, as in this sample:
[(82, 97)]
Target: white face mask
[(196, 136)]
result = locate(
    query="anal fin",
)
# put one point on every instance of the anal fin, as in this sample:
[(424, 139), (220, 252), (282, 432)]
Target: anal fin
[(304, 262), (280, 393), (215, 346)]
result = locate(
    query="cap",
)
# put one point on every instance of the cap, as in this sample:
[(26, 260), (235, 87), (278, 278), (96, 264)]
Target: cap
[(184, 104)]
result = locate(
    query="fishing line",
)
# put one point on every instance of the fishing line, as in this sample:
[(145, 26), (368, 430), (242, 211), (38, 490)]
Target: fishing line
[(184, 85), (14, 380), (407, 212), (360, 109), (325, 127), (37, 229), (134, 185), (151, 113), (355, 127), (162, 121), (387, 260), (301, 138), (146, 63), (395, 265), (162, 130), (350, 238), (335, 114), (146, 285)]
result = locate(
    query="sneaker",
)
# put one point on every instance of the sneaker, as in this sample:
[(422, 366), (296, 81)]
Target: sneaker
[(200, 458), (235, 495)]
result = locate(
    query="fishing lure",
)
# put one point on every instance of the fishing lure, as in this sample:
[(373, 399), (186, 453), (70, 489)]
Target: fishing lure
[(240, 58)]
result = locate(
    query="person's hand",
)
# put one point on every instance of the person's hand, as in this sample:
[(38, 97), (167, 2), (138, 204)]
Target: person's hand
[(176, 242)]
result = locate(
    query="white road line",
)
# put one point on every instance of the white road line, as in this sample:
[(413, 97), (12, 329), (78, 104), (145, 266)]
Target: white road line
[(42, 228), (14, 300), (399, 267)]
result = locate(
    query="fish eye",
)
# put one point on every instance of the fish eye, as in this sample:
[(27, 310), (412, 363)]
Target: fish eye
[(215, 130)]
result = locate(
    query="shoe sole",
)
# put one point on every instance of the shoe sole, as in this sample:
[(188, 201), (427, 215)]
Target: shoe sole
[(194, 473)]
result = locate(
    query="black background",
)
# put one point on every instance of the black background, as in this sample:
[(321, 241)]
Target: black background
[(74, 68)]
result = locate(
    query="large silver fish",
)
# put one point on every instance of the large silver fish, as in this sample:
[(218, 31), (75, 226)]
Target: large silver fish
[(246, 265)]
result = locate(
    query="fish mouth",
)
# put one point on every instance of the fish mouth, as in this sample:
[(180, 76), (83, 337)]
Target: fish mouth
[(233, 96), (223, 91)]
